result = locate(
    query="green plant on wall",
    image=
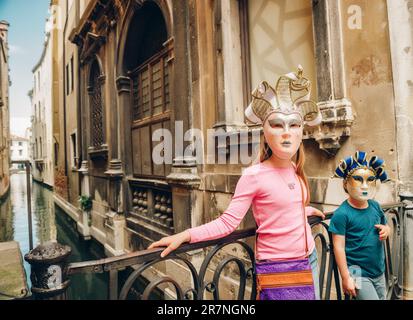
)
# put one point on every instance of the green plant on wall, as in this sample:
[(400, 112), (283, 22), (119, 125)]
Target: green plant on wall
[(86, 205)]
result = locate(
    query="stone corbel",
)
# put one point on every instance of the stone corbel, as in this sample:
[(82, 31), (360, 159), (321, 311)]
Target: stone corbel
[(91, 46), (123, 84), (337, 118)]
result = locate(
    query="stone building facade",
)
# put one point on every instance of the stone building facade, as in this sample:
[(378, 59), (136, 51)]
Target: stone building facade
[(67, 118), (19, 150), (41, 97), (4, 111), (144, 65)]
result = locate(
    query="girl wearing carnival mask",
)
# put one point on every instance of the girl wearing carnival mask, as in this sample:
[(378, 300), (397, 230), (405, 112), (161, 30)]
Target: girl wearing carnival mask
[(359, 229), (276, 185)]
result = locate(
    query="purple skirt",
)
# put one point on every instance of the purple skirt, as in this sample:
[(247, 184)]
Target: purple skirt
[(285, 280)]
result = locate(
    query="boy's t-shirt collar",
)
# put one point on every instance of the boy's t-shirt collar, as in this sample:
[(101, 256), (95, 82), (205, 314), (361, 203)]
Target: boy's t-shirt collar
[(361, 209)]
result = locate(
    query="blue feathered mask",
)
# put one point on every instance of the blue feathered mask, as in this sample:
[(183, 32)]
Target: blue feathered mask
[(350, 164)]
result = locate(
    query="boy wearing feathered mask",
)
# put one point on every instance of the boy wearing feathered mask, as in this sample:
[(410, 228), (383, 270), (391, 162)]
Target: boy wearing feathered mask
[(359, 228)]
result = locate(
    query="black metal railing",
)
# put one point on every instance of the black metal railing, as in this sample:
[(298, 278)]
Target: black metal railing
[(231, 258)]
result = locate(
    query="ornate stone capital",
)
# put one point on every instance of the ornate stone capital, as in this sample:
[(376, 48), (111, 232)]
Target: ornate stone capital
[(184, 173), (84, 168), (337, 118), (115, 169)]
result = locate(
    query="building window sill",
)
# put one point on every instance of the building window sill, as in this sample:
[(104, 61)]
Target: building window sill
[(100, 152)]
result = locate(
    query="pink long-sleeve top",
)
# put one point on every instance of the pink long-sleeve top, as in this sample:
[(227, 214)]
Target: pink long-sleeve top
[(277, 211)]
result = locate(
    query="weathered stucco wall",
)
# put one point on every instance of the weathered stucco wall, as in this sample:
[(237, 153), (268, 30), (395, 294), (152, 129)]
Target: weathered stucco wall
[(368, 79), (281, 37)]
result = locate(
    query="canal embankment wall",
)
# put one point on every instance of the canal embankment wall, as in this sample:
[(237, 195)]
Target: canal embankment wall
[(84, 225)]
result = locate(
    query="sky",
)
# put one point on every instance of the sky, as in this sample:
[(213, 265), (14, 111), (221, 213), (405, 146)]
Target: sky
[(27, 19)]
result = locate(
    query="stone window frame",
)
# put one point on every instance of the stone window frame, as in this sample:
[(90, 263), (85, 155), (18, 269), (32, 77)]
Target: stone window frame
[(95, 150)]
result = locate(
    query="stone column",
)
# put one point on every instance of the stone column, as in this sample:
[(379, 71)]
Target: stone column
[(184, 181), (183, 178), (115, 220), (49, 271), (229, 66), (400, 14), (123, 85), (85, 219), (334, 106)]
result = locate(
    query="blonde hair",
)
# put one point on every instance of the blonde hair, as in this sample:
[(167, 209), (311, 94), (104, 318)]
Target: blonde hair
[(266, 152)]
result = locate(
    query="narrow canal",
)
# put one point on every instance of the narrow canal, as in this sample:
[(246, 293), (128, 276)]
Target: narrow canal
[(49, 223)]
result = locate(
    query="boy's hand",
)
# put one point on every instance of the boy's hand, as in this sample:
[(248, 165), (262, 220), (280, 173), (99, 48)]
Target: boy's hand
[(349, 287), (384, 231)]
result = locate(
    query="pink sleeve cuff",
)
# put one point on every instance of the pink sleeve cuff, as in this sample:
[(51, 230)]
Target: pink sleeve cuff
[(309, 211), (192, 236)]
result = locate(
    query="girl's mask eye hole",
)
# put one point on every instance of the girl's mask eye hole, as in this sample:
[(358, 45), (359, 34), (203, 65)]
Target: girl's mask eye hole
[(276, 125), (371, 179)]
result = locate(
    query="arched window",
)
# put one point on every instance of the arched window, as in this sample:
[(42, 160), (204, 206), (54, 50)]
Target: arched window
[(96, 106), (147, 61)]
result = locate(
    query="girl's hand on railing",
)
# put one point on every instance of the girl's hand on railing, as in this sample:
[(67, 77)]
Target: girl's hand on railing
[(172, 242), (318, 213)]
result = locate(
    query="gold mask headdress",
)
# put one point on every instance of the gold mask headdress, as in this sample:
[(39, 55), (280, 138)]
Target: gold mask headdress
[(291, 95)]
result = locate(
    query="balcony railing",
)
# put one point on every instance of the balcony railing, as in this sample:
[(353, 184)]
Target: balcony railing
[(231, 258)]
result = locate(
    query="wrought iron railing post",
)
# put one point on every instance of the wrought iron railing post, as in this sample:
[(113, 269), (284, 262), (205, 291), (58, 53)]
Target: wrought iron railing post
[(406, 224), (49, 274)]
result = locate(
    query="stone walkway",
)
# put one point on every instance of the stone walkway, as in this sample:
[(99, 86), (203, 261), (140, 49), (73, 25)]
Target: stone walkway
[(12, 275)]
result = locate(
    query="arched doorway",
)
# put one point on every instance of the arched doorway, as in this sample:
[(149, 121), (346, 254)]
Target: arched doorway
[(146, 57), (146, 62)]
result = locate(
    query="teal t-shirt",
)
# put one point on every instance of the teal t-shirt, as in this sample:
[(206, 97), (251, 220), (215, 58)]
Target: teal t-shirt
[(363, 246)]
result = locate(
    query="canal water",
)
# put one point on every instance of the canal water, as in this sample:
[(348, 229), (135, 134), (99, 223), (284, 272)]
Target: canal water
[(50, 223)]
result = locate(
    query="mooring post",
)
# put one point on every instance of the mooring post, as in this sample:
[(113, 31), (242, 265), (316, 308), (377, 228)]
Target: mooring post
[(48, 274)]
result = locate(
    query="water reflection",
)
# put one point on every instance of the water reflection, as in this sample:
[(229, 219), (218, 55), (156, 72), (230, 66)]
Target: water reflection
[(49, 223)]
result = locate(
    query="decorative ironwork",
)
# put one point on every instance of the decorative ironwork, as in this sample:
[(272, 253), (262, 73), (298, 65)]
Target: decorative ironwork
[(226, 260), (96, 109)]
